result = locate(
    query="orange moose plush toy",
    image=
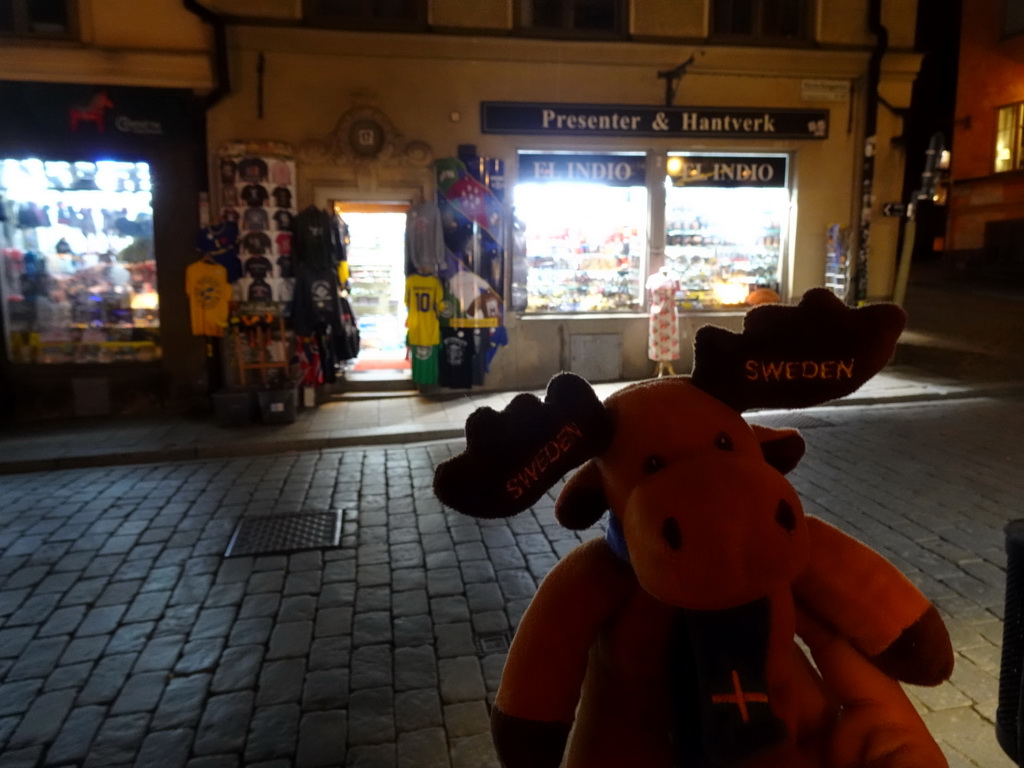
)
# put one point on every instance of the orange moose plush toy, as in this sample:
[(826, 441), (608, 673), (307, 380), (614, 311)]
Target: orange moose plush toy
[(670, 642)]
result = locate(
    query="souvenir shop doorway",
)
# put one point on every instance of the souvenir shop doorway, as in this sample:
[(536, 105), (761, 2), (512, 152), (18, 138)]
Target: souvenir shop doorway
[(376, 260)]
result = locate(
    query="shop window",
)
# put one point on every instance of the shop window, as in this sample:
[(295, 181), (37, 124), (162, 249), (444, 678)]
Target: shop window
[(37, 18), (78, 281), (584, 232), (1009, 154), (573, 17), (768, 19), (1013, 21), (387, 14), (725, 227)]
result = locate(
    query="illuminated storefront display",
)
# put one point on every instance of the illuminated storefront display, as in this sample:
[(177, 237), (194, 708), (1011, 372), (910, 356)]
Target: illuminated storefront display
[(725, 218), (79, 276), (585, 225)]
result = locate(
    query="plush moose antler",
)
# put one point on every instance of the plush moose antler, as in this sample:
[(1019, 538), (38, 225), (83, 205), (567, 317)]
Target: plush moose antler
[(512, 458), (670, 642), (795, 357)]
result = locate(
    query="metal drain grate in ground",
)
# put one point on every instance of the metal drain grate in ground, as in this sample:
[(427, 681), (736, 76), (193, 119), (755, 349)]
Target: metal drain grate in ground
[(270, 534), (492, 642), (783, 420)]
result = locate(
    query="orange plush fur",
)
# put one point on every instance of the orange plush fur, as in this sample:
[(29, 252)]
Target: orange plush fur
[(672, 642)]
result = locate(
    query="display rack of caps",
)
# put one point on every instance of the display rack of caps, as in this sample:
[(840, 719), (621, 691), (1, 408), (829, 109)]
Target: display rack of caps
[(79, 273), (256, 188)]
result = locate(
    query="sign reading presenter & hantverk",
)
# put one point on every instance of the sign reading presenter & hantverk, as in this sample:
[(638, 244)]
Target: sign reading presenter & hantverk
[(543, 119)]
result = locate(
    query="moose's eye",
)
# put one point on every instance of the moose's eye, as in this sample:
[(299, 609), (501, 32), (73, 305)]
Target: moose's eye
[(723, 442), (653, 464)]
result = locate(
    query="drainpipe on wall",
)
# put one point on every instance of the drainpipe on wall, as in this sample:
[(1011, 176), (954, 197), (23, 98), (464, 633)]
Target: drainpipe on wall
[(860, 280), (221, 84)]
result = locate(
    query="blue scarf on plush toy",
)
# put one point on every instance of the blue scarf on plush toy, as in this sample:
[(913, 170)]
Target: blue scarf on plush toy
[(720, 710)]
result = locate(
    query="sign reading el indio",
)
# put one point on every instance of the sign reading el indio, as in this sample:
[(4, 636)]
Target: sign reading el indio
[(727, 170), (608, 169)]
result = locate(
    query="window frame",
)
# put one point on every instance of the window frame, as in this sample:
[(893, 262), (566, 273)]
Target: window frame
[(317, 13), (758, 34), (567, 29), (643, 255), (1016, 158), (22, 23)]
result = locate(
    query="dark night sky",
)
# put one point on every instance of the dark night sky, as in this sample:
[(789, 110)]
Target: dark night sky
[(934, 96)]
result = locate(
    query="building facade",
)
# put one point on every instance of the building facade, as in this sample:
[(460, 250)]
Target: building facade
[(101, 163), (986, 196), (734, 146)]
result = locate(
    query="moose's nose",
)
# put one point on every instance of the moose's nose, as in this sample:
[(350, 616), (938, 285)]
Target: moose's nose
[(785, 516), (671, 533)]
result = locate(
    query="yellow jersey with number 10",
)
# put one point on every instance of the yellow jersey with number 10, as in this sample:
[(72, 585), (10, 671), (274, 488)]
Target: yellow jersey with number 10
[(423, 296)]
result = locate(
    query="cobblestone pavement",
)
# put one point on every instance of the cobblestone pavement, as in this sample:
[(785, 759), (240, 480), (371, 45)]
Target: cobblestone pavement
[(126, 639)]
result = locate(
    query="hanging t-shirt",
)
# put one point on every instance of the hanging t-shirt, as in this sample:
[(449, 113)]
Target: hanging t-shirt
[(499, 338), (466, 287), (424, 365), (258, 267), (316, 300), (260, 290), (221, 242), (252, 169), (423, 297), (456, 365), (284, 265), (255, 194), (317, 238), (256, 243), (283, 220), (255, 219), (227, 170), (424, 239), (280, 172), (282, 197), (284, 243), (208, 292)]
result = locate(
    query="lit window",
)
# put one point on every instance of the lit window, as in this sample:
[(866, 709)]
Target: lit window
[(1009, 156), (78, 283), (725, 227), (584, 220), (771, 19), (572, 17), (36, 18)]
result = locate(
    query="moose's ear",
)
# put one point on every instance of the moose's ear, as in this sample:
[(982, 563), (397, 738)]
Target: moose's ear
[(582, 501), (515, 455), (782, 448)]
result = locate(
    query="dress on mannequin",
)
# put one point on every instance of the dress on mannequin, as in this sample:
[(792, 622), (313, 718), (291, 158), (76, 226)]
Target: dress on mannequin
[(663, 328)]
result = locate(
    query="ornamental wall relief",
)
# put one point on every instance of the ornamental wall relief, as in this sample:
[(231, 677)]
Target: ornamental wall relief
[(362, 157), (365, 135)]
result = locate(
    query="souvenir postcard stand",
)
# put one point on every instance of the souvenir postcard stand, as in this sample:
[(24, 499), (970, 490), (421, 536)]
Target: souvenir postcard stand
[(837, 261), (256, 189), (260, 355)]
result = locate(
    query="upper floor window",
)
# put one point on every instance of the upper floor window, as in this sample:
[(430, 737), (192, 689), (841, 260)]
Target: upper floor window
[(1013, 20), (379, 14), (767, 19), (1009, 154), (577, 18), (36, 18)]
